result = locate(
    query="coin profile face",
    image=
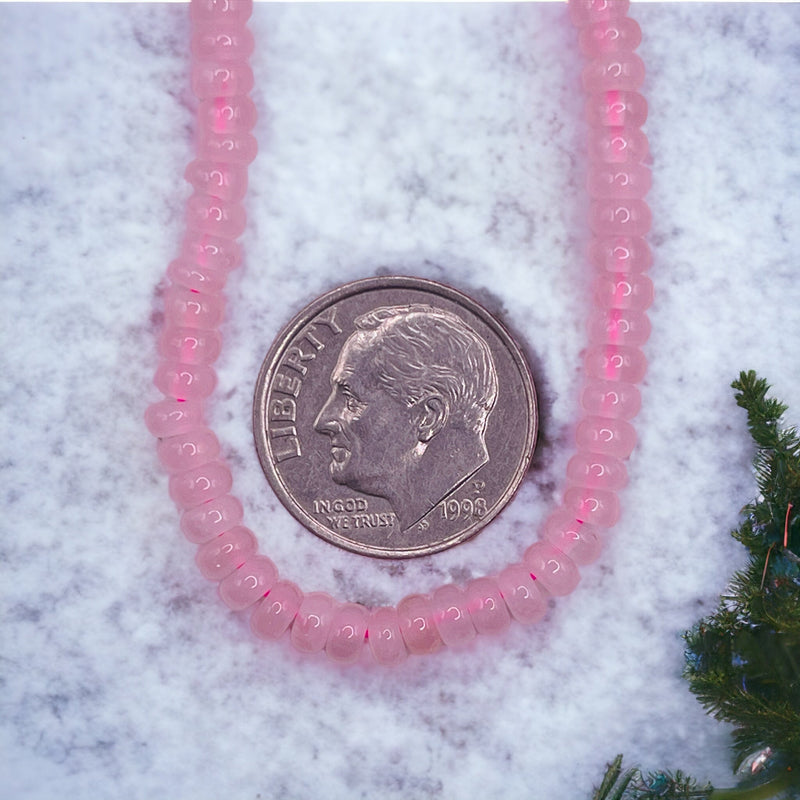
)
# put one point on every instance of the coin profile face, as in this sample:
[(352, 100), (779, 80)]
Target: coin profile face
[(394, 417)]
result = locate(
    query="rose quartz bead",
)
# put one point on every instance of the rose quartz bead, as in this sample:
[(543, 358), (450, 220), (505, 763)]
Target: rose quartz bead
[(620, 253), (227, 114), (385, 640), (192, 276), (248, 583), (618, 146), (275, 613), (615, 437), (221, 79), (215, 216), (221, 12), (222, 555), (227, 181), (169, 417), (611, 36), (203, 523), (605, 73), (346, 635), (187, 450), (312, 622), (451, 615), (525, 600), (626, 326), (595, 506), (190, 345), (222, 43), (486, 606), (555, 570), (579, 540), (616, 109), (623, 290), (234, 148), (209, 251), (597, 471), (198, 485), (185, 381), (612, 216), (613, 362), (187, 309), (630, 180), (415, 613), (617, 400), (587, 12)]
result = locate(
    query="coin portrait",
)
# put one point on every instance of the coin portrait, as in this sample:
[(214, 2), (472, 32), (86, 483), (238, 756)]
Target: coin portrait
[(394, 417)]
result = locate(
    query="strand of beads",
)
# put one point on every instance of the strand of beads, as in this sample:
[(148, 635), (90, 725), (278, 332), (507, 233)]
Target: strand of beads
[(200, 482)]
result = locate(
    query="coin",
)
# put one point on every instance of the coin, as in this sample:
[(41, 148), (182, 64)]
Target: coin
[(394, 417)]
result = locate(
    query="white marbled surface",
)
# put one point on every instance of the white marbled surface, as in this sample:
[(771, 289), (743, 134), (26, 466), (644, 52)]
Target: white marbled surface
[(443, 141)]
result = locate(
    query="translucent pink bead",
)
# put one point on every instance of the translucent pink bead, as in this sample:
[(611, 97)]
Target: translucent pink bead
[(620, 253), (187, 309), (597, 470), (236, 148), (630, 180), (579, 540), (595, 506), (169, 417), (615, 437), (486, 606), (611, 362), (198, 485), (630, 290), (227, 114), (221, 78), (275, 613), (221, 12), (612, 36), (187, 450), (228, 181), (613, 216), (192, 276), (385, 640), (346, 635), (215, 216), (222, 43), (451, 615), (613, 71), (415, 613), (626, 326), (587, 12), (185, 381), (525, 600), (248, 583), (312, 622), (555, 570), (222, 555), (618, 146), (190, 345), (616, 109), (213, 252), (617, 400), (205, 522)]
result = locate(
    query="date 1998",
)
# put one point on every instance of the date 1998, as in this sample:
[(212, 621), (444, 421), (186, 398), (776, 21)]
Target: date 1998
[(467, 508)]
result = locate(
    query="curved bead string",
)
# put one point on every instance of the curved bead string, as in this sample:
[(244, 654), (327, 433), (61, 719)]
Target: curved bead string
[(200, 481)]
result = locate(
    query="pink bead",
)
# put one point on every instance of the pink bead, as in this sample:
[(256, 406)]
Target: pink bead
[(184, 308), (221, 556), (597, 470), (209, 251), (486, 606), (555, 570), (595, 506), (579, 540), (619, 326), (227, 114), (187, 450), (234, 148), (227, 181), (185, 381), (525, 600), (618, 146), (619, 217), (451, 616), (215, 216), (198, 485), (312, 622), (611, 362), (222, 43), (385, 640), (628, 181), (612, 36), (221, 79), (415, 614), (616, 109), (620, 253), (275, 613), (605, 73), (203, 523), (248, 583), (169, 417), (617, 400), (221, 12), (614, 437), (623, 291), (587, 12), (192, 276), (346, 636), (190, 345)]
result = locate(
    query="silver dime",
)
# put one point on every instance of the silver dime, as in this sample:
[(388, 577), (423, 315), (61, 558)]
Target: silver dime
[(394, 417)]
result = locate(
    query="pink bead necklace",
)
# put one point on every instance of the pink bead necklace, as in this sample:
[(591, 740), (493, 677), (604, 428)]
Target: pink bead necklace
[(200, 482)]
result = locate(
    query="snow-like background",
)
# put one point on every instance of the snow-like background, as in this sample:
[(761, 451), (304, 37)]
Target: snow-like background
[(444, 141)]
